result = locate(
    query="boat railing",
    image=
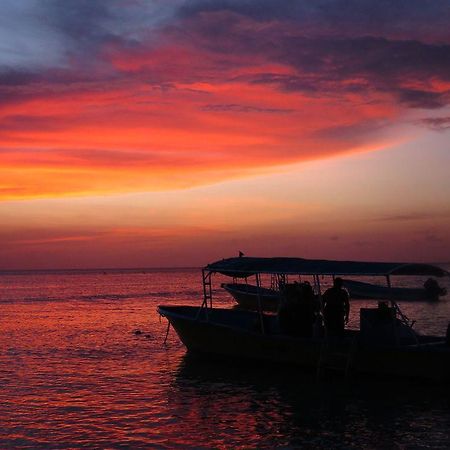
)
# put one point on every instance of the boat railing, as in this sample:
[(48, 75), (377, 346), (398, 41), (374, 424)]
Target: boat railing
[(280, 279), (402, 317)]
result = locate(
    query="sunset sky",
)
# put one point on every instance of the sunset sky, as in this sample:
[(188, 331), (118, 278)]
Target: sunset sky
[(174, 133)]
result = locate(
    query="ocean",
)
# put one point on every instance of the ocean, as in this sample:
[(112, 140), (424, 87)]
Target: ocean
[(74, 373)]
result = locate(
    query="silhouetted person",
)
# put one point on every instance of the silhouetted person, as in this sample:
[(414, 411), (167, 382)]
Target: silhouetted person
[(336, 308), (288, 309), (296, 311)]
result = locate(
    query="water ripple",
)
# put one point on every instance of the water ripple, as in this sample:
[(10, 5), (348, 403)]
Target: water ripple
[(74, 373)]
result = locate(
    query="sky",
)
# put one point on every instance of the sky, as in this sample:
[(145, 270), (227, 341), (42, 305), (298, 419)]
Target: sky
[(172, 133)]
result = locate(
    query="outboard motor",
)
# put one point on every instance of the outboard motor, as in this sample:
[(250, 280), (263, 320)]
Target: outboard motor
[(433, 290)]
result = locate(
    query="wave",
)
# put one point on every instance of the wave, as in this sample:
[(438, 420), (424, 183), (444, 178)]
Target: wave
[(109, 296)]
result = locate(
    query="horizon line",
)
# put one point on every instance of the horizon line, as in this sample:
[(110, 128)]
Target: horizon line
[(100, 269), (104, 269)]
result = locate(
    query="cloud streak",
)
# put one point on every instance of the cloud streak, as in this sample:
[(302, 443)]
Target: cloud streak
[(437, 123)]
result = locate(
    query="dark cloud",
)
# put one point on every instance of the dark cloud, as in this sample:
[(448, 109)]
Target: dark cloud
[(437, 123), (418, 19), (86, 26), (21, 86), (325, 65), (332, 46), (415, 216), (433, 238), (53, 33), (405, 217), (346, 57), (306, 83), (43, 235), (366, 243), (95, 157), (82, 20), (22, 122), (14, 77), (361, 128), (365, 56), (54, 76), (233, 107), (416, 98)]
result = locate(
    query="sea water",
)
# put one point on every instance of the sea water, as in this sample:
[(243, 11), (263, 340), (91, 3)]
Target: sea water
[(83, 364)]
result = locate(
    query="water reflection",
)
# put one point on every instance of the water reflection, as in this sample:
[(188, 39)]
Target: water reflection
[(73, 373), (266, 407)]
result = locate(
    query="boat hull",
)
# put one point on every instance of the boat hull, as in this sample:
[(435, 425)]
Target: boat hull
[(360, 290), (212, 335), (209, 337), (246, 296)]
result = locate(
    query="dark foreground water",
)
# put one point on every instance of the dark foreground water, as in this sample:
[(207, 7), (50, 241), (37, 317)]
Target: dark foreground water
[(74, 374)]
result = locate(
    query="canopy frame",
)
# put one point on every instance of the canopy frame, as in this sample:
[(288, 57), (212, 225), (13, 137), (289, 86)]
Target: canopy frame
[(244, 267)]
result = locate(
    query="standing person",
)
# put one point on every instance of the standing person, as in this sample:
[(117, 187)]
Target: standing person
[(336, 308)]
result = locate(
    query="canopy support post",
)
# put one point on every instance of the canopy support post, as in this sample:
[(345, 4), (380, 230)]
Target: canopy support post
[(319, 294), (388, 281), (393, 305), (207, 289), (260, 310), (281, 281)]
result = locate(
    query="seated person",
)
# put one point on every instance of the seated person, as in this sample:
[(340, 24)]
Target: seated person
[(296, 310), (306, 310), (287, 309)]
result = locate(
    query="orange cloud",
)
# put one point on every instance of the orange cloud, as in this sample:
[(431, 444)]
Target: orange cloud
[(131, 139)]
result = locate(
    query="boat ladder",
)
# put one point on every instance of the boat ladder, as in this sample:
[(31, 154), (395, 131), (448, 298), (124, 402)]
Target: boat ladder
[(336, 355), (207, 294)]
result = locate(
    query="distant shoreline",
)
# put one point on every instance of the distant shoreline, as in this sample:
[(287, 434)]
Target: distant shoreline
[(115, 270)]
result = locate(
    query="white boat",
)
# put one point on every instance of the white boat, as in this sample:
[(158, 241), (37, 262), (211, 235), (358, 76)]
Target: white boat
[(385, 344), (246, 296), (360, 290)]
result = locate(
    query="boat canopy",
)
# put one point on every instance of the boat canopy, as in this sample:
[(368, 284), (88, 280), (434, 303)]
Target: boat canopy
[(240, 267)]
